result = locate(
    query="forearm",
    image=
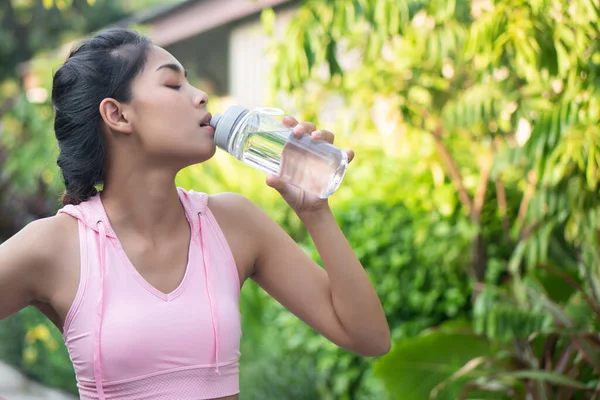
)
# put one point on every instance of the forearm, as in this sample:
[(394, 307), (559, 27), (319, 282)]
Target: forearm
[(354, 299)]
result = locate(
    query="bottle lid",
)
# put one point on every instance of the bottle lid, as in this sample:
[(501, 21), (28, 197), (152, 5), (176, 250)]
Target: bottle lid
[(225, 123)]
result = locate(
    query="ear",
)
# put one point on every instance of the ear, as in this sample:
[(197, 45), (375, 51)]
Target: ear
[(112, 112)]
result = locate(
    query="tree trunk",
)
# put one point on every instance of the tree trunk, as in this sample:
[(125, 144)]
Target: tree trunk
[(479, 257)]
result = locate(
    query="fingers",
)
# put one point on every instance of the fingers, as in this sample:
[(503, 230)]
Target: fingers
[(299, 128), (290, 121), (350, 154), (277, 184), (323, 135), (310, 128), (304, 128)]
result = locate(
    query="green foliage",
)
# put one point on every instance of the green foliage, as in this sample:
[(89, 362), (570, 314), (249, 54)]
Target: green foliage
[(279, 373), (501, 319), (29, 137), (422, 362), (32, 343), (12, 333), (415, 260), (45, 356), (27, 27), (547, 342), (500, 101)]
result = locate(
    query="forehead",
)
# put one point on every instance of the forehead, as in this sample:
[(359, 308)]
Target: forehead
[(158, 56)]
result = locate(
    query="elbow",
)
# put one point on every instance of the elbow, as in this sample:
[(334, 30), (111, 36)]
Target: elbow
[(378, 350), (375, 347), (387, 346)]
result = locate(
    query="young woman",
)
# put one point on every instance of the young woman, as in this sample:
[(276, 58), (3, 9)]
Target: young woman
[(143, 279)]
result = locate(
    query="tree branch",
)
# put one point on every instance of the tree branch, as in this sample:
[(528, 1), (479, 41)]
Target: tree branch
[(453, 170), (501, 196), (530, 230), (527, 196), (448, 160), (484, 178), (479, 249), (7, 105), (502, 208), (473, 207)]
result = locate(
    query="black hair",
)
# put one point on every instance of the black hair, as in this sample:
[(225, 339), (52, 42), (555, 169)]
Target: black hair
[(100, 67)]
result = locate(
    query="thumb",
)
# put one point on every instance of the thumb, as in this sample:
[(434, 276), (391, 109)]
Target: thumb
[(277, 184)]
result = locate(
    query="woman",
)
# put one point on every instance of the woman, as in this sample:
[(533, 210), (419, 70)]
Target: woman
[(144, 278)]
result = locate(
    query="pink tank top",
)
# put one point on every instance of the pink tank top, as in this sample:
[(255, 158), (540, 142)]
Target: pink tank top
[(127, 340)]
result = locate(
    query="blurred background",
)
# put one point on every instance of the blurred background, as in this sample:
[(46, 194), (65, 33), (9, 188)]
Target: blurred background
[(473, 201)]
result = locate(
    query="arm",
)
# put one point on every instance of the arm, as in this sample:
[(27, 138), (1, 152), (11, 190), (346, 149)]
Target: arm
[(22, 261), (338, 302)]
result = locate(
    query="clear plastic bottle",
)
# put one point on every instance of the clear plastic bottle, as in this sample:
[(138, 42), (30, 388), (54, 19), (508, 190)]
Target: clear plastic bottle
[(260, 140)]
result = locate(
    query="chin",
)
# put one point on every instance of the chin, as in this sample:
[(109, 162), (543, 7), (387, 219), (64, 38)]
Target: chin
[(190, 154), (202, 154)]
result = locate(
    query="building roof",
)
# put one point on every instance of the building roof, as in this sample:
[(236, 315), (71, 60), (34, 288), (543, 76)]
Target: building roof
[(176, 22), (160, 11)]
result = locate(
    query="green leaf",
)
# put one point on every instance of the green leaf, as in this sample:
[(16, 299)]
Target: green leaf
[(309, 50), (556, 310), (550, 377), (267, 17), (334, 67), (589, 350), (415, 366), (470, 366)]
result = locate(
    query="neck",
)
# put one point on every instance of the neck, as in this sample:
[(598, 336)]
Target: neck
[(144, 201)]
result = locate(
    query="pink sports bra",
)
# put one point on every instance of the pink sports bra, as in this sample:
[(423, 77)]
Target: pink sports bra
[(127, 340)]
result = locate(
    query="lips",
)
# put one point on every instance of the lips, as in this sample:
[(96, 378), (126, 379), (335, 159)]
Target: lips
[(206, 120)]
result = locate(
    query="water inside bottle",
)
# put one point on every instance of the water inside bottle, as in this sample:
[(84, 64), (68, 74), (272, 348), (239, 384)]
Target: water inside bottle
[(316, 171), (262, 150)]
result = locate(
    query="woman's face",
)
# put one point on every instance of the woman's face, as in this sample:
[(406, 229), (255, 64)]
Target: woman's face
[(167, 114)]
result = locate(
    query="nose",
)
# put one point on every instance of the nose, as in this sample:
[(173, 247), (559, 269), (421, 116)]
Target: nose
[(200, 99)]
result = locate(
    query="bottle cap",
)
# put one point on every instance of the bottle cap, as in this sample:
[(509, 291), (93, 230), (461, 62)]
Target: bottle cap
[(224, 124)]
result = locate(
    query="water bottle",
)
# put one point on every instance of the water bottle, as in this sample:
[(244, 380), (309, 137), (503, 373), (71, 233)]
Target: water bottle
[(258, 139)]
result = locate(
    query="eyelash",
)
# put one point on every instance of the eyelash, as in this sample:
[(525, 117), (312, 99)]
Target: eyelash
[(176, 87)]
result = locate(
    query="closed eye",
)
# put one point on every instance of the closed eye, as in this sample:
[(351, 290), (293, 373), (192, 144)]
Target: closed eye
[(176, 87)]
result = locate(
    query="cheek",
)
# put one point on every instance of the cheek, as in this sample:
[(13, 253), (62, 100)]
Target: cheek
[(163, 112), (155, 101), (166, 124), (167, 106)]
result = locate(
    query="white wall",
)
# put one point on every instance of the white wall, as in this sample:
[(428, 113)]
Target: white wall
[(248, 62)]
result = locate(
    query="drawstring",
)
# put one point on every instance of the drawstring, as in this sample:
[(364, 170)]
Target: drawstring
[(100, 314), (206, 256)]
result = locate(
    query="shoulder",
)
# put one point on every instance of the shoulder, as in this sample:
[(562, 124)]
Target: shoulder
[(39, 249), (44, 237), (231, 203), (237, 213), (245, 226), (235, 210)]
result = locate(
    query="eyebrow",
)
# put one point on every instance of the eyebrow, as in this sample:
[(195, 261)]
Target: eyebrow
[(174, 67)]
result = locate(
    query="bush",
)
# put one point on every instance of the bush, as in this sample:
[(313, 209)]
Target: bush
[(30, 342)]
